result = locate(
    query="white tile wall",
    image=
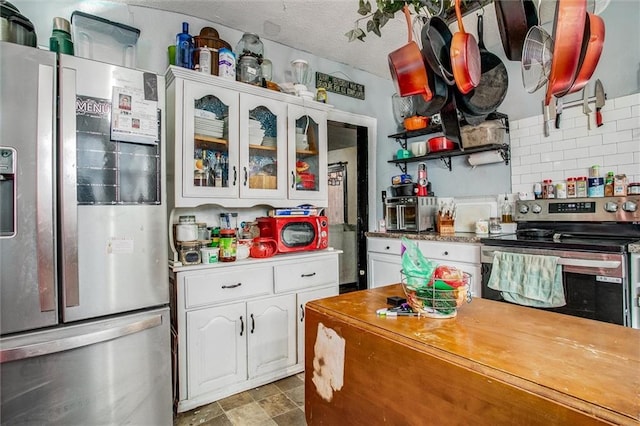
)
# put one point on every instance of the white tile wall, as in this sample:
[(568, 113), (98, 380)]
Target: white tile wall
[(572, 149)]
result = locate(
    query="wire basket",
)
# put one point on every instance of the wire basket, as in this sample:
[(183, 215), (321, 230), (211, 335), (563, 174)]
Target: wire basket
[(436, 298)]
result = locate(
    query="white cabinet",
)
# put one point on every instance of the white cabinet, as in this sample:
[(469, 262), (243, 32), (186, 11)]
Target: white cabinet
[(236, 144), (213, 365), (271, 324), (383, 261), (303, 298), (239, 325), (464, 256)]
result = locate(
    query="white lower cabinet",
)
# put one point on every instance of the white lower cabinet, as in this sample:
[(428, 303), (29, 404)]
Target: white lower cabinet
[(271, 334), (384, 261), (238, 326), (303, 298)]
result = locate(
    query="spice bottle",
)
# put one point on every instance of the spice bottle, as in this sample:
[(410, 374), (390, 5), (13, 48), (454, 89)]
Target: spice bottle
[(581, 186), (571, 187), (608, 185), (548, 190), (561, 190), (620, 185)]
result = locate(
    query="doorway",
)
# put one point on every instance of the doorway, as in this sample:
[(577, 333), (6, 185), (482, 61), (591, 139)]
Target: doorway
[(349, 143)]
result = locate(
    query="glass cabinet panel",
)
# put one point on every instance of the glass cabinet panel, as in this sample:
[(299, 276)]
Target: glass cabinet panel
[(263, 141), (307, 142), (210, 150)]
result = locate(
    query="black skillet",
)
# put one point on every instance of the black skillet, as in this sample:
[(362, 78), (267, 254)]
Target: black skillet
[(436, 44), (492, 89), (440, 92)]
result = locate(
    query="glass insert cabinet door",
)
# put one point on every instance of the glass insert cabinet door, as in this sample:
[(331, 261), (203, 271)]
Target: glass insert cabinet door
[(211, 142), (263, 142), (307, 153)]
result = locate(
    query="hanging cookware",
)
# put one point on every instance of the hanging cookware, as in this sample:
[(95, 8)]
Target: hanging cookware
[(449, 119), (465, 57), (515, 17), (491, 90), (407, 67), (568, 32), (440, 94), (592, 44), (436, 45), (537, 52)]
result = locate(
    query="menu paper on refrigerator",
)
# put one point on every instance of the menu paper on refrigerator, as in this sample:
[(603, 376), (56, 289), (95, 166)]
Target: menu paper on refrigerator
[(134, 118)]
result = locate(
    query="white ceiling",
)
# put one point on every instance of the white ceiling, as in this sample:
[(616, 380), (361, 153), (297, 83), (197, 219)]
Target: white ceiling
[(314, 26)]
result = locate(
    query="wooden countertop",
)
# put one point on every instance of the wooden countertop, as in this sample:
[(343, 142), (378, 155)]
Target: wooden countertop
[(589, 366)]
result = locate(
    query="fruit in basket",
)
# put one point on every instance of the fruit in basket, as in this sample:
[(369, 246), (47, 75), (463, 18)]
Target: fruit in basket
[(450, 275)]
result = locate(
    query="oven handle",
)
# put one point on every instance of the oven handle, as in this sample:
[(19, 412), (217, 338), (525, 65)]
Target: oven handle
[(584, 263)]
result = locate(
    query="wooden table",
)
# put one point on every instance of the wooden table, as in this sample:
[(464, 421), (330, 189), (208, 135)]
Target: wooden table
[(495, 363)]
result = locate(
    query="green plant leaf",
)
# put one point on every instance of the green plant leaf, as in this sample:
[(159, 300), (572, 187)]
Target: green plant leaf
[(374, 27), (364, 7)]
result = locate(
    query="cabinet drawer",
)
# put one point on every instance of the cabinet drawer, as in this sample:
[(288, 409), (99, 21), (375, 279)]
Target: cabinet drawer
[(295, 276), (384, 245), (445, 251), (214, 287)]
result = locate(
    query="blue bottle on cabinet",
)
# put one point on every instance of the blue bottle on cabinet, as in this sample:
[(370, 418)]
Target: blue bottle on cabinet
[(184, 48)]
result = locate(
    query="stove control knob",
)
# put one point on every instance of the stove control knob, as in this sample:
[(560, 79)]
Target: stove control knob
[(536, 208), (610, 207), (629, 206), (524, 209)]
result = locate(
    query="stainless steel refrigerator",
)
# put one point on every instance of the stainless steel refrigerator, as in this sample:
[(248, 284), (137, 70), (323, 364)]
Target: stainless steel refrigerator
[(84, 292)]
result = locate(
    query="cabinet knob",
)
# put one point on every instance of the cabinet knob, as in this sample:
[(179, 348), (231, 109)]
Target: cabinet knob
[(446, 253), (387, 248)]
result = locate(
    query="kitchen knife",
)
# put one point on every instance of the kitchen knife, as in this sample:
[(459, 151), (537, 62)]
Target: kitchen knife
[(558, 112), (545, 119), (599, 102), (585, 106)]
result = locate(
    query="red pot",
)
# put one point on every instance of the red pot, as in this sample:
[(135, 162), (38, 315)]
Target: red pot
[(440, 143), (263, 247)]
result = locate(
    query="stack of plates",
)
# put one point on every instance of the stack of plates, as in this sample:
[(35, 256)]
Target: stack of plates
[(207, 124), (256, 132), (269, 141)]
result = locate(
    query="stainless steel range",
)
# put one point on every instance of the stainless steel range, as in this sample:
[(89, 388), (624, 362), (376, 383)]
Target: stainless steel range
[(590, 237)]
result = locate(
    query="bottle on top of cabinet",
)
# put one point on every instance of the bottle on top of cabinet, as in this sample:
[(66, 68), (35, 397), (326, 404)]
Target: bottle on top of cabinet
[(184, 47)]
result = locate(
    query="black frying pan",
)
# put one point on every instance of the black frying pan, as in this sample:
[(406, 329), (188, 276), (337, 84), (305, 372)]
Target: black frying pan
[(436, 45), (440, 92), (491, 90), (515, 17)]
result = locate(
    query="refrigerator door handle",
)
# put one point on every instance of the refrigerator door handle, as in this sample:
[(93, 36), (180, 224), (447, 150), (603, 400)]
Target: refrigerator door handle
[(74, 342), (69, 198), (44, 178)]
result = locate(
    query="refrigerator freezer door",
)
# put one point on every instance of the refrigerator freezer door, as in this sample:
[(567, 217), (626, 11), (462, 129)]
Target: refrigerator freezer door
[(115, 371), (27, 132), (113, 204)]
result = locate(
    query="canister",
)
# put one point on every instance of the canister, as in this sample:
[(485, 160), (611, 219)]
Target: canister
[(189, 252), (209, 254), (227, 245), (494, 225), (482, 227), (633, 188), (595, 187), (581, 186)]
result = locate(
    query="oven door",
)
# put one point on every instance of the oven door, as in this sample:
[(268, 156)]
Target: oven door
[(595, 284)]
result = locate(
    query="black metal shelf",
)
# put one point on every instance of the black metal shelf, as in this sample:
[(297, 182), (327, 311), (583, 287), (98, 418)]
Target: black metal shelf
[(445, 156)]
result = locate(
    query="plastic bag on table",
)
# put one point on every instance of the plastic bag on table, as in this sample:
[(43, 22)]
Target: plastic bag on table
[(418, 270)]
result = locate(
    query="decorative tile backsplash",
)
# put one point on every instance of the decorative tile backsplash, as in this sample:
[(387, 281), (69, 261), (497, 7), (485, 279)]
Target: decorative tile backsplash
[(572, 149)]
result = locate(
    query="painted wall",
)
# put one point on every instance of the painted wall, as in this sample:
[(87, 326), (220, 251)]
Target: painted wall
[(619, 69)]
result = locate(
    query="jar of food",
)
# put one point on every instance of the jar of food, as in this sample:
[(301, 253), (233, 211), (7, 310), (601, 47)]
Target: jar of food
[(250, 44), (633, 188), (186, 232), (243, 248), (249, 70), (571, 187), (548, 189), (209, 254), (189, 252), (228, 245), (620, 185), (581, 187), (321, 95), (494, 225)]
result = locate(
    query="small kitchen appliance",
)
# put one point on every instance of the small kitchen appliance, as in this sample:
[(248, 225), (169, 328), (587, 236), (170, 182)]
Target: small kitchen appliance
[(296, 233), (410, 213)]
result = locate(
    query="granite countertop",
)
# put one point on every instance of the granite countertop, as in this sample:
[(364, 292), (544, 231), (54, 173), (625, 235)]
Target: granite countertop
[(458, 237)]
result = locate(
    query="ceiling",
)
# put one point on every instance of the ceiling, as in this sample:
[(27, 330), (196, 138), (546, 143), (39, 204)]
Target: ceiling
[(314, 26)]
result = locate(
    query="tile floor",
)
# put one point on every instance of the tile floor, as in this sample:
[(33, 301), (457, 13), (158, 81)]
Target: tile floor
[(279, 403)]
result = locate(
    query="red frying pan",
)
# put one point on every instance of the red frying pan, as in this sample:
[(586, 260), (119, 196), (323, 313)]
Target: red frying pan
[(407, 67), (568, 32), (592, 47), (465, 57)]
